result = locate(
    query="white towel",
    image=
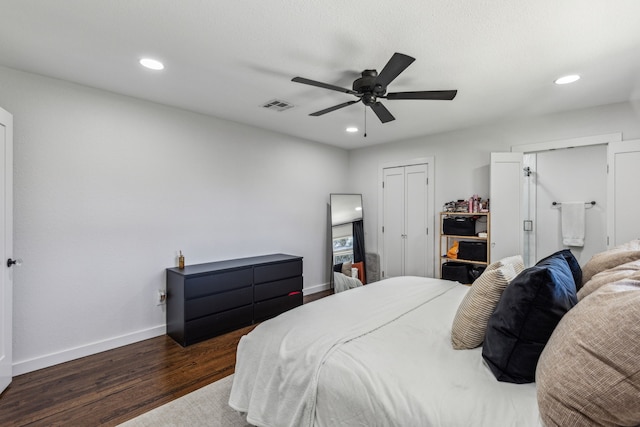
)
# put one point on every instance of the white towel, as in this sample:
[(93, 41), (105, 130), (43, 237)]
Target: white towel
[(572, 223)]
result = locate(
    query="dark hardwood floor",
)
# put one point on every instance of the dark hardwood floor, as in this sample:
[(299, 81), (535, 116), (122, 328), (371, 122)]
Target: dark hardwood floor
[(114, 386)]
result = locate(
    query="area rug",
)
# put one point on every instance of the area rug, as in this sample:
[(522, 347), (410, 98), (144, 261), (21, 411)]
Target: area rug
[(207, 406)]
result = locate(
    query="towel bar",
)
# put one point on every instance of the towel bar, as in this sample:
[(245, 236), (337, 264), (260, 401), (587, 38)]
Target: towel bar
[(589, 204)]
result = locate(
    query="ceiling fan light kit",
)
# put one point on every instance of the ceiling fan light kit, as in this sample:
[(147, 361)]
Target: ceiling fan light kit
[(373, 85)]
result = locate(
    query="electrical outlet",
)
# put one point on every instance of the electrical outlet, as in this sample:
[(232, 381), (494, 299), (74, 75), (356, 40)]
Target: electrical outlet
[(162, 297)]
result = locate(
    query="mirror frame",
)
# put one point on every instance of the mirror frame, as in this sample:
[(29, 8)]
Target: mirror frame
[(343, 219)]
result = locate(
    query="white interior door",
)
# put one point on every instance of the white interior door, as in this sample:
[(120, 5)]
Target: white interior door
[(565, 175), (505, 188), (6, 234), (393, 222), (416, 254), (623, 178)]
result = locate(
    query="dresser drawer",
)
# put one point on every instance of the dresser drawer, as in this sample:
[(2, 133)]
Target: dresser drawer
[(278, 271), (198, 286), (271, 308), (216, 324), (215, 303), (279, 288)]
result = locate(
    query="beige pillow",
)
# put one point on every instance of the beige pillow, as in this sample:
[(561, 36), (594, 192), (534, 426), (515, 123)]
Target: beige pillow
[(613, 257), (589, 371), (630, 270), (346, 269), (470, 322)]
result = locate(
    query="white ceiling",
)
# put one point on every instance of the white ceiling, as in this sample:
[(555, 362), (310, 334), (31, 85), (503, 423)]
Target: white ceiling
[(227, 58)]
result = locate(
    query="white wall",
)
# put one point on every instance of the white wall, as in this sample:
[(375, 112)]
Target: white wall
[(462, 157), (108, 188)]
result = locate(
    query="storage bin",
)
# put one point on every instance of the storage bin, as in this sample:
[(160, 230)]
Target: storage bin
[(457, 271), (472, 251), (459, 225)]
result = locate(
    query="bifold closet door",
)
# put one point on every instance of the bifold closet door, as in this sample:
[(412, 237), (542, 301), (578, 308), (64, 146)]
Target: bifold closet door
[(393, 222), (405, 221)]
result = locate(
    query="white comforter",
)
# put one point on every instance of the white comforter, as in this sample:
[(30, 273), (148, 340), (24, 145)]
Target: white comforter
[(379, 355)]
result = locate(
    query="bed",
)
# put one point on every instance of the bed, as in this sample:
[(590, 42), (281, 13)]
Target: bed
[(554, 344), (374, 355)]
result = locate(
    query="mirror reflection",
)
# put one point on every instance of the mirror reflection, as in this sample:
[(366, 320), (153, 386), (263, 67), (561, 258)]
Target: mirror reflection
[(347, 235)]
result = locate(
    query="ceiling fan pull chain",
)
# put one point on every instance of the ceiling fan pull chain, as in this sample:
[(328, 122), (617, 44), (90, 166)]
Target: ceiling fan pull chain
[(365, 121)]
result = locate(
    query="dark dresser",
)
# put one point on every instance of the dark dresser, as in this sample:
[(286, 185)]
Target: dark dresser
[(205, 300)]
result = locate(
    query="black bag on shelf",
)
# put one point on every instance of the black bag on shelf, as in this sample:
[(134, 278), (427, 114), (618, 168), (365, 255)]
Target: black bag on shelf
[(457, 271), (472, 251), (475, 272), (459, 225)]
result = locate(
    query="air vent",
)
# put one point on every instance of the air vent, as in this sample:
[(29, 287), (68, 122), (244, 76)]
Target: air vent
[(277, 105)]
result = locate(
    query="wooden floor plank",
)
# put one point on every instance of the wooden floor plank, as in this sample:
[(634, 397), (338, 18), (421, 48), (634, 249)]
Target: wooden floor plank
[(114, 386)]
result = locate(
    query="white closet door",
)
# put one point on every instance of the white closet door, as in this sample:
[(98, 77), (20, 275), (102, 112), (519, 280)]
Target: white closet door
[(416, 221), (505, 188), (406, 248), (622, 192), (393, 222)]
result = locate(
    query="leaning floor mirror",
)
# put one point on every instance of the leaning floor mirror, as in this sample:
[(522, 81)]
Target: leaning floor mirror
[(347, 239)]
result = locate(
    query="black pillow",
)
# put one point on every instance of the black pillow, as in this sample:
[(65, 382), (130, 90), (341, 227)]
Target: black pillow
[(576, 271), (528, 311)]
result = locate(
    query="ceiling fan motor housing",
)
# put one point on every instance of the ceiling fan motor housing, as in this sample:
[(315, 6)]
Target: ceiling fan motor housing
[(367, 86)]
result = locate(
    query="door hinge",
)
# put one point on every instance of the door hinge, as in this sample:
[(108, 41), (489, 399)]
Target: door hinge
[(383, 228), (427, 231), (607, 167), (427, 181), (382, 184)]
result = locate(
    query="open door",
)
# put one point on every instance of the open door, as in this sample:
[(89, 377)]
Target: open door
[(6, 235), (506, 188), (623, 178)]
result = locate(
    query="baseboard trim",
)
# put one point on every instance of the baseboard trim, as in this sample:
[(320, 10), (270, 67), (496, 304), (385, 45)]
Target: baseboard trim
[(26, 366), (316, 288), (48, 360)]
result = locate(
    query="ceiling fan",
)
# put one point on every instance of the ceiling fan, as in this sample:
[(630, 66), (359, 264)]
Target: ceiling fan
[(373, 85)]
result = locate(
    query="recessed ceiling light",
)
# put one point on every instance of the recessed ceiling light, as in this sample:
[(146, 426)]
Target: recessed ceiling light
[(567, 79), (152, 64), (352, 129)]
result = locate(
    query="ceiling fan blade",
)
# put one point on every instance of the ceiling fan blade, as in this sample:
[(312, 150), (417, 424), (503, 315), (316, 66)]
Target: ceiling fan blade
[(447, 95), (397, 64), (335, 107), (381, 111), (322, 85)]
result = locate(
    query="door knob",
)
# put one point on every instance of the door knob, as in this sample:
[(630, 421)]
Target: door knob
[(17, 262)]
